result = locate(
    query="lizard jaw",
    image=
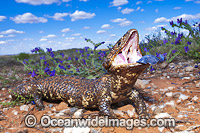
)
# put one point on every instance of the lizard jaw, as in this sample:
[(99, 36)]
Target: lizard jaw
[(130, 53)]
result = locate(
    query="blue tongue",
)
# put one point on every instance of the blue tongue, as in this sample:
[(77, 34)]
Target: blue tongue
[(151, 59)]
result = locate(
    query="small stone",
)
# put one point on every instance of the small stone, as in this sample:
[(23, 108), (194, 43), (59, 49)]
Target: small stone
[(141, 83), (189, 69), (169, 94), (163, 65), (50, 105), (195, 98), (55, 130), (198, 85), (78, 114), (161, 128), (118, 112), (59, 114), (5, 109), (164, 89), (168, 77), (162, 115), (76, 130), (185, 78), (131, 113), (165, 74), (183, 97), (24, 107), (170, 103), (10, 96), (158, 110), (15, 112), (3, 89), (94, 130), (170, 88)]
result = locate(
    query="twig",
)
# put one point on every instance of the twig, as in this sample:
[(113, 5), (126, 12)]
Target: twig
[(191, 81), (27, 114)]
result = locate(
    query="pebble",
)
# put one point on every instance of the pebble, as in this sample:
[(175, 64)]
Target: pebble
[(55, 130), (50, 105), (118, 112), (185, 78), (94, 130), (10, 96), (169, 94), (183, 97), (5, 109), (15, 112), (189, 69), (195, 98), (170, 103), (163, 65), (78, 113), (162, 115), (24, 107), (3, 89), (198, 85), (170, 88), (76, 130), (131, 113), (59, 114)]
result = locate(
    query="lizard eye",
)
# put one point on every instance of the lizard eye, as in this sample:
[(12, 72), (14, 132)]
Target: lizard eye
[(118, 44)]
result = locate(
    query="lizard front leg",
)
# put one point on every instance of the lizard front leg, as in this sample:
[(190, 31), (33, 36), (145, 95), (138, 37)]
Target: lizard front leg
[(38, 101), (140, 106)]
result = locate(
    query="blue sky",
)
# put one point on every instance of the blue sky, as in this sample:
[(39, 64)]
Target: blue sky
[(63, 24)]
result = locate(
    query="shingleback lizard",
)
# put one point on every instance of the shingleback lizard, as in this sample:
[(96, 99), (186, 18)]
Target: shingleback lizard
[(114, 86)]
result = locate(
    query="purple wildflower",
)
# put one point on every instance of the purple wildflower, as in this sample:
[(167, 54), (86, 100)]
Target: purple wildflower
[(146, 50), (84, 61), (171, 23), (88, 55), (49, 50), (25, 61), (76, 51), (157, 54), (174, 51), (186, 22), (86, 39), (68, 66), (33, 73), (164, 54), (151, 69), (62, 67), (76, 58), (165, 41), (86, 48), (179, 21), (102, 42), (77, 70), (186, 49), (92, 52), (69, 58), (189, 43), (173, 33), (52, 73), (46, 69), (81, 51), (52, 54), (42, 58), (177, 41), (62, 55)]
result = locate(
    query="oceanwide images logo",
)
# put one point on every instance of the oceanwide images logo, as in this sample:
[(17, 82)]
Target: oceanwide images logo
[(47, 121)]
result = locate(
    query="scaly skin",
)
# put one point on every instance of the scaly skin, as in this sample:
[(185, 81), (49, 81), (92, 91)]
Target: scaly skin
[(115, 86)]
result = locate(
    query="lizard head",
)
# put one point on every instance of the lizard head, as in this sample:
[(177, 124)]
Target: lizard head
[(124, 55)]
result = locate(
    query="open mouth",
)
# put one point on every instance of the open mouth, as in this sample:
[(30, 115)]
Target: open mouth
[(130, 53)]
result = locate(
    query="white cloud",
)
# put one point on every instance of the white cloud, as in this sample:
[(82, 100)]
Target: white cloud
[(119, 2), (41, 31), (2, 36), (28, 18), (139, 2), (156, 10), (112, 35), (76, 34), (154, 27), (65, 30), (125, 23), (148, 2), (66, 0), (83, 0), (119, 8), (197, 2), (38, 2), (3, 42), (176, 8), (86, 27), (142, 10), (188, 0), (43, 39), (50, 36), (159, 0), (12, 31), (106, 26), (59, 16), (81, 15), (100, 31), (138, 8), (70, 39), (183, 16), (118, 20), (122, 22), (127, 10), (2, 18)]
